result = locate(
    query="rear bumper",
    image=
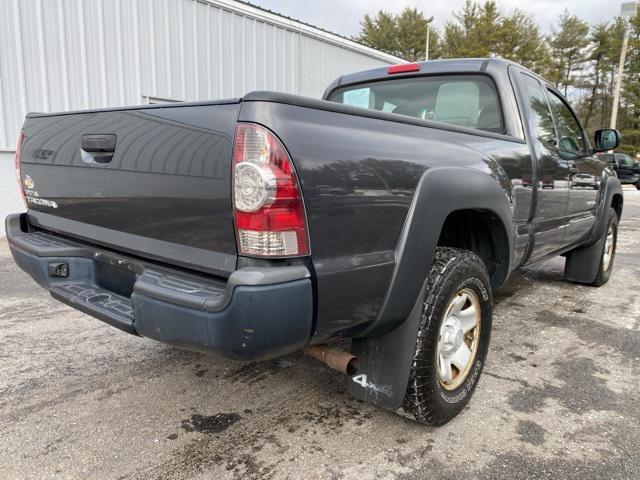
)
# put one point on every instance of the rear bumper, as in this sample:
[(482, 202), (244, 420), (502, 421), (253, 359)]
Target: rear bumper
[(256, 313)]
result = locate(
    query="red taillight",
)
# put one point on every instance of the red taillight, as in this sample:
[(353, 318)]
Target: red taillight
[(404, 67), (268, 208), (16, 161)]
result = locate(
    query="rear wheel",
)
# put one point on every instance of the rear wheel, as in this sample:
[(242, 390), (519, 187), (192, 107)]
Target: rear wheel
[(453, 338)]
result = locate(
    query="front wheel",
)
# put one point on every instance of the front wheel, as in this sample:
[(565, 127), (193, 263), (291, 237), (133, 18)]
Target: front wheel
[(453, 337), (608, 251)]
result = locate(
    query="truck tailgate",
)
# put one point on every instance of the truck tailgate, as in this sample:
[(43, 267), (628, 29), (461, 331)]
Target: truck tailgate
[(151, 181)]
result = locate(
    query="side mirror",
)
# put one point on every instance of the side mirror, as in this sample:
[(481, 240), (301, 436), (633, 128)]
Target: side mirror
[(606, 139)]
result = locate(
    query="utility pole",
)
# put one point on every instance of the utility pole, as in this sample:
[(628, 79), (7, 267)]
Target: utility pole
[(627, 11), (426, 50)]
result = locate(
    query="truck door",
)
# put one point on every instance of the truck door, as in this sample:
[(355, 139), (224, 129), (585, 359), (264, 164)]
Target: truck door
[(550, 178), (585, 170)]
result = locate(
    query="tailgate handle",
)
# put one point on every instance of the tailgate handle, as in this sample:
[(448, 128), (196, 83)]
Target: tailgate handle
[(97, 148)]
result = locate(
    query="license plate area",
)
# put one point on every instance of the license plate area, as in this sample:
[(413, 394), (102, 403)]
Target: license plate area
[(114, 278)]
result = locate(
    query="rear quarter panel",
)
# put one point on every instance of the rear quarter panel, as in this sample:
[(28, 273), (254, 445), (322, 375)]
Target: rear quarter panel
[(358, 176)]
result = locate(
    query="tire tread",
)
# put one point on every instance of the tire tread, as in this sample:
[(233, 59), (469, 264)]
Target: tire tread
[(440, 279)]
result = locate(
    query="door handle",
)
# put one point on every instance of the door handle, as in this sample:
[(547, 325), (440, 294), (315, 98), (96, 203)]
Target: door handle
[(97, 148)]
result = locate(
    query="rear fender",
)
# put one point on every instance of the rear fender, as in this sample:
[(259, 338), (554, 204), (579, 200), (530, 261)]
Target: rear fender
[(386, 349)]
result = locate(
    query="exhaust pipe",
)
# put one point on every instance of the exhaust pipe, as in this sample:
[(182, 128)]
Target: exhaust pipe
[(335, 358)]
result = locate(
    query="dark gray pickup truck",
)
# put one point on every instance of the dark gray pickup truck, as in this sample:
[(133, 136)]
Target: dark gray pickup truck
[(385, 214)]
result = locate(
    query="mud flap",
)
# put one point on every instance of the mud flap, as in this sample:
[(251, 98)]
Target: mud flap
[(384, 362), (582, 264)]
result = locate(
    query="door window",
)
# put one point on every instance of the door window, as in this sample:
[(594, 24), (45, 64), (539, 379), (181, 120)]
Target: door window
[(539, 113), (569, 130)]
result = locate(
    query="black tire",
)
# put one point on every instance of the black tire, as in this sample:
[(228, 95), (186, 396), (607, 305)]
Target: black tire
[(604, 273), (637, 185), (427, 400)]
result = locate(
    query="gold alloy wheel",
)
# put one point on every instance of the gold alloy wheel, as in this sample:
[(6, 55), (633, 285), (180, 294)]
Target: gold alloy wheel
[(458, 340), (608, 250)]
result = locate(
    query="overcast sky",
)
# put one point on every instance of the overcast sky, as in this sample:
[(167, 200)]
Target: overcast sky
[(343, 16)]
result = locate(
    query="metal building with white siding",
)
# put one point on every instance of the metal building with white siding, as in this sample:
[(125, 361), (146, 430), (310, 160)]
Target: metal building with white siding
[(74, 54)]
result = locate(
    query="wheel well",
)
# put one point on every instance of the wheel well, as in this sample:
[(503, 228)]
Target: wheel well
[(616, 204), (483, 233)]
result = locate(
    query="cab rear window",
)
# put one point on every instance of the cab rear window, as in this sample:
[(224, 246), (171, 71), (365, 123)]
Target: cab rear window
[(463, 100)]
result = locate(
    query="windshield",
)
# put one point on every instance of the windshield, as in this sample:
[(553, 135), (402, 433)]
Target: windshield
[(463, 100)]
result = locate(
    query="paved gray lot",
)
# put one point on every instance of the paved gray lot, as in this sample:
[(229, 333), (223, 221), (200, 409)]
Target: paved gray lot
[(560, 396)]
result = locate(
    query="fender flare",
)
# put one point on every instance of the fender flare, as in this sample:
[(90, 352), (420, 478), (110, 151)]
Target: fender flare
[(440, 192), (612, 186), (386, 348)]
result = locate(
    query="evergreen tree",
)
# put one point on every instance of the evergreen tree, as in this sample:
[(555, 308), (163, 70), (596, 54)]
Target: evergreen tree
[(403, 35), (411, 35), (379, 31), (483, 31), (568, 50), (462, 37), (602, 57), (519, 39)]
